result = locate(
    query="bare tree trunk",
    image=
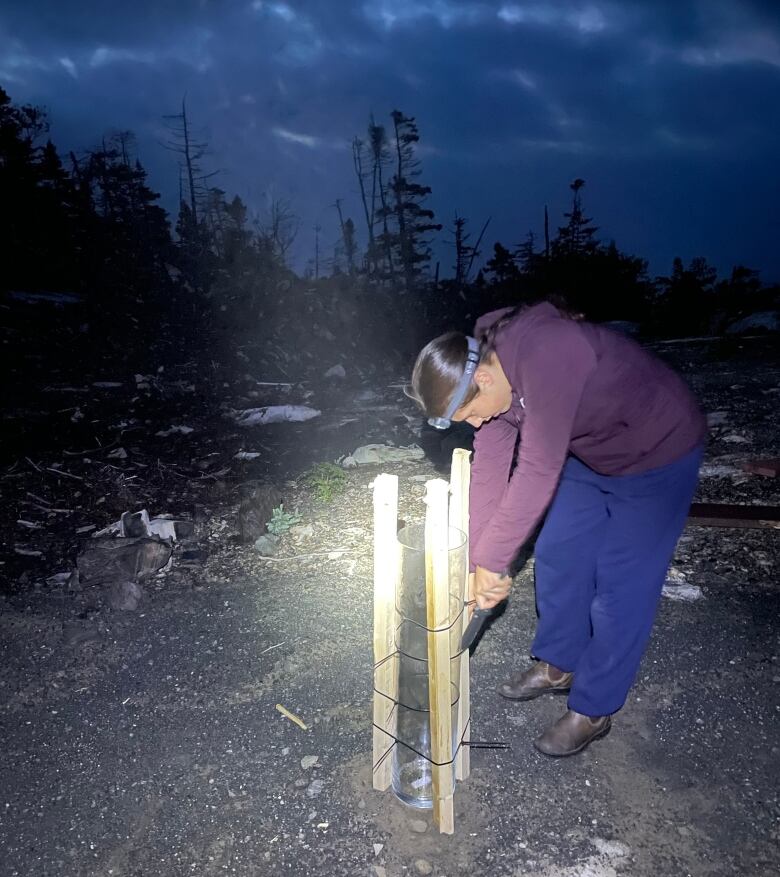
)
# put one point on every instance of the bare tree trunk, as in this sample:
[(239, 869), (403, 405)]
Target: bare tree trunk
[(188, 161), (475, 248), (406, 265), (546, 234), (357, 157)]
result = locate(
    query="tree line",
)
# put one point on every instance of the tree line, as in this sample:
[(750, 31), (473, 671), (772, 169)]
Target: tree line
[(90, 223)]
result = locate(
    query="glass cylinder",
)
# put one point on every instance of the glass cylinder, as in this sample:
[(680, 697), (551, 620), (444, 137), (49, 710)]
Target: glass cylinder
[(412, 779)]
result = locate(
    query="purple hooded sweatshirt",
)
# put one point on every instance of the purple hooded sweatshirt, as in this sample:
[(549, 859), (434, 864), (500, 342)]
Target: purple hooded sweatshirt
[(580, 389)]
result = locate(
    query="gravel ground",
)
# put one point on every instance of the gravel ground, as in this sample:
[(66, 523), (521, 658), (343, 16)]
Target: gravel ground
[(148, 742)]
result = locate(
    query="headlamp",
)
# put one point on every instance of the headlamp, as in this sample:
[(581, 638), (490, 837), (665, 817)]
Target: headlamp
[(472, 360)]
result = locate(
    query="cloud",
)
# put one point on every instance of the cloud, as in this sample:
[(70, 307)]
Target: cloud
[(70, 67), (588, 19), (401, 13), (514, 98), (104, 55), (294, 137)]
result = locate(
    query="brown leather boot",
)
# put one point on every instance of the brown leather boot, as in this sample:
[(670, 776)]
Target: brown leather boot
[(572, 733), (539, 678)]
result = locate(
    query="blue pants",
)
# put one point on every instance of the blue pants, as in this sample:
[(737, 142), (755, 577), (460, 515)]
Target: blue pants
[(601, 562)]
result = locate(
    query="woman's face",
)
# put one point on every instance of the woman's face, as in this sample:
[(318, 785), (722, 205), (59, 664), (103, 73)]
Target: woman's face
[(494, 396)]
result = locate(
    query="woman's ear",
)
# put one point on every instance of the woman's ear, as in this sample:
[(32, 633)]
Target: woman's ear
[(483, 377)]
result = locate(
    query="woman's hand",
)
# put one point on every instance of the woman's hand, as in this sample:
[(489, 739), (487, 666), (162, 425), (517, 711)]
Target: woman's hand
[(490, 588)]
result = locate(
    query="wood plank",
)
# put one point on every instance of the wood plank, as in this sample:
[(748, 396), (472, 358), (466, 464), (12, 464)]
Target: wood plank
[(439, 675), (705, 514), (767, 468), (460, 478), (386, 568)]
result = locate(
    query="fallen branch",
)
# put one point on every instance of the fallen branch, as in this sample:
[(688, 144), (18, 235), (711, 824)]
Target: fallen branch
[(61, 472), (91, 450), (342, 551), (292, 717)]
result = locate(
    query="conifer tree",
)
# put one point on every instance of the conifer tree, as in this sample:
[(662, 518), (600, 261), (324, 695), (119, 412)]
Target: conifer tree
[(409, 222)]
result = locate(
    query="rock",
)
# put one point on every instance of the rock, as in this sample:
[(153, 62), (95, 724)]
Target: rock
[(109, 560), (611, 848), (255, 511), (267, 545), (379, 871), (302, 531), (378, 849), (370, 454), (336, 371), (315, 788), (309, 761), (125, 596), (418, 826), (423, 866), (682, 592), (717, 418)]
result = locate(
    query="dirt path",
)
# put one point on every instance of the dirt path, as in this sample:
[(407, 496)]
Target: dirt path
[(148, 742)]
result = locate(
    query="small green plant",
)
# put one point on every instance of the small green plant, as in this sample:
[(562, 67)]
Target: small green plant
[(327, 480), (281, 521)]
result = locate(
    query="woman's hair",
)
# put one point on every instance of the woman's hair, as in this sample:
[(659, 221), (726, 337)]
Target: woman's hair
[(437, 371), (440, 363)]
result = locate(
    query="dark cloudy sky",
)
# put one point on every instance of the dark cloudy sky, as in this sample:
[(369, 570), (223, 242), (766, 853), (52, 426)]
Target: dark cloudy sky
[(669, 109)]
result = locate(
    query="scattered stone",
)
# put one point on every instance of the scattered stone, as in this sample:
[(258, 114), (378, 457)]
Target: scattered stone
[(418, 826), (336, 371), (717, 418), (379, 871), (267, 545), (611, 848), (682, 592), (370, 454), (315, 788), (301, 783), (274, 414), (309, 761), (378, 849), (423, 866)]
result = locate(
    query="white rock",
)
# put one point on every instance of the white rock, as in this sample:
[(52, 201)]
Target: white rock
[(309, 761), (368, 454), (717, 418), (611, 848), (683, 592), (275, 414)]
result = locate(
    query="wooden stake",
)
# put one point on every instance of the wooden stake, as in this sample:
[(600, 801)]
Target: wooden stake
[(710, 514), (439, 675), (386, 673), (460, 479)]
